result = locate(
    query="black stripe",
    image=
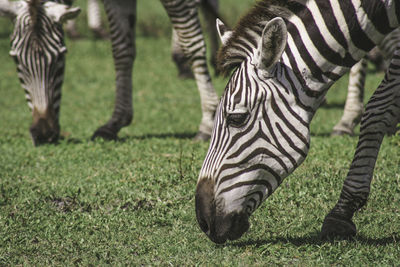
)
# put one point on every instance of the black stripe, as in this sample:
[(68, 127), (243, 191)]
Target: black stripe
[(358, 36), (377, 14)]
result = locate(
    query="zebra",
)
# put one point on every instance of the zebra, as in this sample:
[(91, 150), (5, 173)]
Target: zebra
[(283, 56), (38, 49), (122, 18), (184, 18), (354, 105)]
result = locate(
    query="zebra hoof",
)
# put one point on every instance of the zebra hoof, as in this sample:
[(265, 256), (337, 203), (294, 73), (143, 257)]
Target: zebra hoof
[(337, 228), (341, 133), (200, 136), (105, 134)]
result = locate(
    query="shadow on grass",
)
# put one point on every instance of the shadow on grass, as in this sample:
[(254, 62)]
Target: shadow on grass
[(73, 140), (314, 239), (332, 105), (157, 136), (309, 238)]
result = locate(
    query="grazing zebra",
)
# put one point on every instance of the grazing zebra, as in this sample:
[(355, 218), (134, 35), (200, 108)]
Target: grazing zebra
[(122, 19), (284, 55), (183, 15), (354, 105), (38, 49)]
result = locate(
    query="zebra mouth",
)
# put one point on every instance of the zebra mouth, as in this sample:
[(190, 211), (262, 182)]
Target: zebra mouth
[(44, 133), (218, 226)]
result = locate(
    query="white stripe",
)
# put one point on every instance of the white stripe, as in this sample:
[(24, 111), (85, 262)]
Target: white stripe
[(354, 51), (329, 39)]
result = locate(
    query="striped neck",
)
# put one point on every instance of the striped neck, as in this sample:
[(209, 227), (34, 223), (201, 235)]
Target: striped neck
[(322, 46), (323, 42)]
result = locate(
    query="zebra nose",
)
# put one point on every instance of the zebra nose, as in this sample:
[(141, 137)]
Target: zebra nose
[(42, 132), (217, 226), (205, 207)]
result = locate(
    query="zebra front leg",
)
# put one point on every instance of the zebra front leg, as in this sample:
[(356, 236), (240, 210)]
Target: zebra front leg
[(94, 19), (354, 106), (122, 19), (381, 116), (184, 17)]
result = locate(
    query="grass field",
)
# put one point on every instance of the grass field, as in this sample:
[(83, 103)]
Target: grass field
[(131, 202)]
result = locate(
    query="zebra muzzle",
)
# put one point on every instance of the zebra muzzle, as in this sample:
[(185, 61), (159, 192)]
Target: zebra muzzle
[(44, 129), (212, 220)]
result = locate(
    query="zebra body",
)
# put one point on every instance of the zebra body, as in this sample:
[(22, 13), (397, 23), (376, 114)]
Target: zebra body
[(284, 56), (38, 49), (354, 105), (184, 18)]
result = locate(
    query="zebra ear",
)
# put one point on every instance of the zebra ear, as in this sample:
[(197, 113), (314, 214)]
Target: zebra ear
[(223, 31), (272, 43), (10, 9), (61, 13)]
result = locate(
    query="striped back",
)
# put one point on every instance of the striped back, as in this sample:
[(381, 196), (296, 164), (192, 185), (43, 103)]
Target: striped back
[(283, 56)]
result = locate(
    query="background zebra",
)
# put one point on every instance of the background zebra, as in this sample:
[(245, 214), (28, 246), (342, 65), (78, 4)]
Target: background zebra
[(184, 18), (122, 19), (284, 55), (38, 49), (210, 10), (354, 105)]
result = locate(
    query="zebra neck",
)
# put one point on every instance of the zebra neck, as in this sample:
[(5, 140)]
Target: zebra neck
[(327, 38)]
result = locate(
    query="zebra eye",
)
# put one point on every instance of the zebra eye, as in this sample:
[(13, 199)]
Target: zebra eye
[(237, 119)]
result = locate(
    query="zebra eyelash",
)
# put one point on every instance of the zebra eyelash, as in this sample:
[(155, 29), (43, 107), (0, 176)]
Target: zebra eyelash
[(237, 120)]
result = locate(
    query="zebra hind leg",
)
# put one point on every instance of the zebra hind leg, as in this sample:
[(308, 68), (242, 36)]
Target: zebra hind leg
[(178, 56), (354, 106), (381, 116), (122, 19), (186, 23)]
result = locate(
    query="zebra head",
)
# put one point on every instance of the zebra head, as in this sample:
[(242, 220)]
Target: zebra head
[(257, 139), (38, 49)]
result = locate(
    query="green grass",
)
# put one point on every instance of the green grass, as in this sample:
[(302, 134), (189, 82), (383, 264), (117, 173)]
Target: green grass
[(131, 202)]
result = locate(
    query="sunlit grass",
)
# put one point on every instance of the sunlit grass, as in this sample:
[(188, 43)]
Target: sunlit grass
[(131, 202)]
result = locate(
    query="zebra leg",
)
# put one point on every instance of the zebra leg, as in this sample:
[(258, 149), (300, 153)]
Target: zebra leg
[(122, 19), (381, 116), (376, 57), (94, 19), (354, 106), (178, 56), (185, 20), (210, 11), (70, 29)]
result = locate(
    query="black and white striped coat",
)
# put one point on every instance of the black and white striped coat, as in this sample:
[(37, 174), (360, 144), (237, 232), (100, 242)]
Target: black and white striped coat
[(38, 49), (354, 105), (185, 21), (45, 101), (284, 56)]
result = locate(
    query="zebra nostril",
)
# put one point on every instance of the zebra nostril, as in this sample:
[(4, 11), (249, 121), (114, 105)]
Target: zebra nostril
[(204, 226), (205, 208)]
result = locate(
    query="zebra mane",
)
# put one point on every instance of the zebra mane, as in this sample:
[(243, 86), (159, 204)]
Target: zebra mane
[(33, 7), (236, 50)]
